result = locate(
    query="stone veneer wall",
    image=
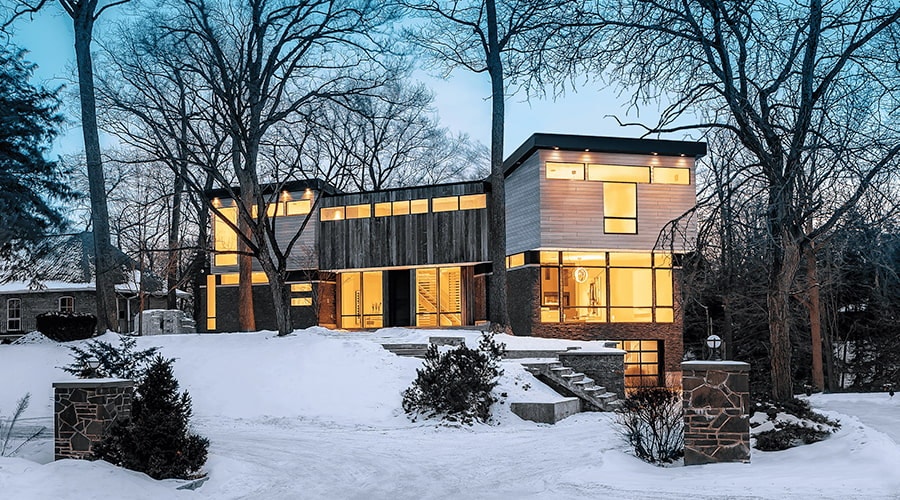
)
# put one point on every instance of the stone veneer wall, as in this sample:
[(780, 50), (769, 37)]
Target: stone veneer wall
[(606, 368), (525, 319), (84, 412), (716, 411)]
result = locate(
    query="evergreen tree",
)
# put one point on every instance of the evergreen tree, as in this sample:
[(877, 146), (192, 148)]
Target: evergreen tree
[(156, 440), (28, 181)]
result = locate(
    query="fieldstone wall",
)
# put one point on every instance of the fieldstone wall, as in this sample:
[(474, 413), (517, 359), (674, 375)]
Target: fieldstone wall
[(84, 412), (606, 368), (716, 411)]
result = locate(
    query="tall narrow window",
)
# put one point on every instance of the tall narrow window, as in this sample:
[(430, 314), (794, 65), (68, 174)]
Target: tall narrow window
[(225, 237), (67, 304), (211, 302), (619, 208), (438, 296), (13, 315), (361, 300)]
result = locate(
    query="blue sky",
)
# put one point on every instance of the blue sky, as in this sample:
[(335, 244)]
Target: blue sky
[(461, 100)]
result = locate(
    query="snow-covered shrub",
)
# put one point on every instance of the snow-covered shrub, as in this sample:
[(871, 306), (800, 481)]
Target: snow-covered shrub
[(156, 439), (456, 384), (67, 326), (121, 361), (651, 419), (779, 426), (8, 425)]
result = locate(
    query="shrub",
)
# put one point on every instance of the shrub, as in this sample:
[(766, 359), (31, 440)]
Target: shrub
[(66, 327), (651, 419), (456, 384), (6, 429), (801, 426), (121, 361), (156, 440)]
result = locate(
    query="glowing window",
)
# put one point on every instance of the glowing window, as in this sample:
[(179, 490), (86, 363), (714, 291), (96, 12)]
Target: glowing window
[(358, 211), (301, 287), (663, 287), (631, 314), (301, 301), (225, 238), (383, 209), (438, 296), (623, 259), (418, 206), (230, 279), (643, 362), (630, 287), (298, 207), (618, 173), (67, 304), (472, 201), (445, 204), (332, 213), (665, 315), (210, 302), (584, 258), (361, 299), (573, 171), (13, 315), (516, 260), (662, 260), (549, 257), (259, 277), (620, 208), (584, 294), (401, 207), (666, 175)]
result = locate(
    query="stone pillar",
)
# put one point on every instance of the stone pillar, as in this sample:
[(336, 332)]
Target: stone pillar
[(84, 412), (716, 411), (606, 368)]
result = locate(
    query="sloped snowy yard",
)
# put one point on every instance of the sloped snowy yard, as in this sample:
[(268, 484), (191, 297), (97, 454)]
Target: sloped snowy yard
[(317, 415)]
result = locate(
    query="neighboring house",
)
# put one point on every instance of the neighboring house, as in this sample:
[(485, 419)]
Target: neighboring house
[(63, 282), (585, 257)]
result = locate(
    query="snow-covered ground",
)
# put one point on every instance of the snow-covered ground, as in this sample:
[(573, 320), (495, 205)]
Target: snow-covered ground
[(317, 415)]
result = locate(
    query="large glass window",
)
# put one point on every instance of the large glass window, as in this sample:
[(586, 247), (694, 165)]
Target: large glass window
[(438, 296), (67, 304), (619, 208), (666, 175), (225, 237), (618, 173), (573, 171), (643, 362), (13, 315), (361, 300), (599, 287)]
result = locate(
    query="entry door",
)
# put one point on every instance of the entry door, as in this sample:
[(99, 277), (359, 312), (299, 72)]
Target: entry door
[(399, 298), (361, 304)]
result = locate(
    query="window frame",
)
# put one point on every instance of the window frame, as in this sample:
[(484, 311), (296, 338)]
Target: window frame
[(17, 318), (611, 218), (70, 307)]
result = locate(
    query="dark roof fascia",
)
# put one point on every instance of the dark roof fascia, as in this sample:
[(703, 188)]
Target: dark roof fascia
[(293, 186), (485, 184), (601, 144)]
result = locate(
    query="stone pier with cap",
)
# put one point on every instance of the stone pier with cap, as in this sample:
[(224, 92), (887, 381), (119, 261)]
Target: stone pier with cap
[(716, 411)]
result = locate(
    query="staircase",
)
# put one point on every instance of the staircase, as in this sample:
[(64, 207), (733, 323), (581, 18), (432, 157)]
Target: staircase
[(409, 350), (570, 383)]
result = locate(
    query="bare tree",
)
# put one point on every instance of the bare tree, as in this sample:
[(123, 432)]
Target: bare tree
[(808, 89), (265, 63), (84, 14), (497, 38)]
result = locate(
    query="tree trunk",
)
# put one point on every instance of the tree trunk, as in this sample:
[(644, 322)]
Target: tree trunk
[(784, 266), (105, 271), (498, 305), (246, 315), (815, 319)]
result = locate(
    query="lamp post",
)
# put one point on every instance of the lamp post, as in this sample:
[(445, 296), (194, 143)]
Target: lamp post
[(90, 370), (714, 343)]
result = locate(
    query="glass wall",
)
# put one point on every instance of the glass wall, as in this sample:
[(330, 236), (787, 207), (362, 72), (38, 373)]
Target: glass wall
[(438, 297), (606, 287), (643, 362), (361, 300)]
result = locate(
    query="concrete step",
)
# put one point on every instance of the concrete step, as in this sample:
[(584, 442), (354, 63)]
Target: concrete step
[(584, 383), (547, 413), (408, 350), (560, 371), (573, 377)]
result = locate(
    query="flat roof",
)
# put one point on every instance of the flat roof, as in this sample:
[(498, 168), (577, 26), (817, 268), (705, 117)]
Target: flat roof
[(293, 186), (592, 143)]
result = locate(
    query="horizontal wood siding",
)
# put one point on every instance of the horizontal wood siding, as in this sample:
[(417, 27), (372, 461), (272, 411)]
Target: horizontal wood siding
[(523, 207), (572, 210), (404, 240)]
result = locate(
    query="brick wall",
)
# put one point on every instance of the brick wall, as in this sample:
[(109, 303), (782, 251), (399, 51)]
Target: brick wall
[(33, 304)]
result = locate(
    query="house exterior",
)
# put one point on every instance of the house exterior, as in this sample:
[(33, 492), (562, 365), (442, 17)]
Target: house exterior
[(585, 255), (21, 303)]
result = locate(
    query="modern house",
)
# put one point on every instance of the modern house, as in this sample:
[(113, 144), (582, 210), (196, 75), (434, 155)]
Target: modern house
[(585, 255)]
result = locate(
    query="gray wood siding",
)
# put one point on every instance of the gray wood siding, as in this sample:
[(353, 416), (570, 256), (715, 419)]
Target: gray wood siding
[(404, 240), (523, 207), (572, 210)]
